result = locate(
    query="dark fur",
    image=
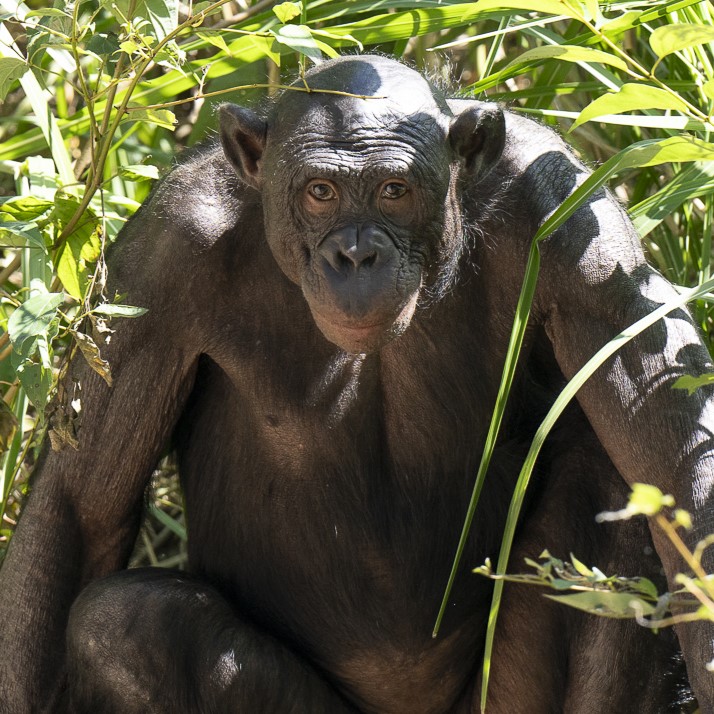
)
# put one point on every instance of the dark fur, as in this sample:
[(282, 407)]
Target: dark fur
[(325, 491)]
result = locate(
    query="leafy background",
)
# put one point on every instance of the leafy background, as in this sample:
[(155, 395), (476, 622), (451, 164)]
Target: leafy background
[(98, 97)]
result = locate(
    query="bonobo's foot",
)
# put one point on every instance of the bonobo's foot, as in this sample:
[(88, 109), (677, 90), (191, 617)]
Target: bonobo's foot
[(152, 640)]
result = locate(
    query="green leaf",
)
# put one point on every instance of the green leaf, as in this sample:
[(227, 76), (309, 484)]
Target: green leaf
[(671, 38), (708, 88), (646, 587), (683, 518), (567, 53), (25, 208), (19, 234), (580, 567), (139, 172), (214, 38), (631, 97), (287, 11), (48, 12), (77, 254), (605, 603), (11, 69), (162, 117), (111, 310), (300, 39), (103, 46), (33, 318), (691, 383), (36, 380)]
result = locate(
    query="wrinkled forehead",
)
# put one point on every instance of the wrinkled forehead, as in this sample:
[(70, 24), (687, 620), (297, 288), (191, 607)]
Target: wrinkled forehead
[(404, 135)]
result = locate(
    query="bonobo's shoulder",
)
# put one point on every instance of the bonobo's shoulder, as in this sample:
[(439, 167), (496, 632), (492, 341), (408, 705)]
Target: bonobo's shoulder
[(200, 199)]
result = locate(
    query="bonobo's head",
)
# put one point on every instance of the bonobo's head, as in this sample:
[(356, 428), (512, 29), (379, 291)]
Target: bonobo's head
[(359, 194)]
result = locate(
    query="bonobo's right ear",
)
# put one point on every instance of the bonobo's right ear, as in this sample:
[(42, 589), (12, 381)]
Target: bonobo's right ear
[(243, 135), (478, 136)]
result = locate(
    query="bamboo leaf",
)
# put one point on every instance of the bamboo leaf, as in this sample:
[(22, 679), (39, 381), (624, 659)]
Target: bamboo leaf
[(631, 97), (672, 38), (566, 53)]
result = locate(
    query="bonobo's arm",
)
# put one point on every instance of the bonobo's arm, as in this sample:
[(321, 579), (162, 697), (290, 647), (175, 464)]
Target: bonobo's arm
[(83, 513), (594, 282)]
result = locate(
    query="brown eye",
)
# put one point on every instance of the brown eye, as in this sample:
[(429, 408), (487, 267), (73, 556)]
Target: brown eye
[(393, 189), (322, 191)]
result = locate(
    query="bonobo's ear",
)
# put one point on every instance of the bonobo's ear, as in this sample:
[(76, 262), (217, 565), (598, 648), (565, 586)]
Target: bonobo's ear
[(243, 139), (478, 135)]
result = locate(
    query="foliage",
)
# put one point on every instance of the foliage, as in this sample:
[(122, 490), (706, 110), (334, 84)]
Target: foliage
[(97, 95)]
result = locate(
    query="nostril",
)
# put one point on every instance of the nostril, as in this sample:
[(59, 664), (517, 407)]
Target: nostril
[(370, 260)]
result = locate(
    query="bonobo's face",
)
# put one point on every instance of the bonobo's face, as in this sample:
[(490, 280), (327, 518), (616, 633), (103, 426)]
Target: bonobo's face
[(358, 194)]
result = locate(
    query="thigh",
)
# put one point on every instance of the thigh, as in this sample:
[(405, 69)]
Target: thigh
[(151, 640)]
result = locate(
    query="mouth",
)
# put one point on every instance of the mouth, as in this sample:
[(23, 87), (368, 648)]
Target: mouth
[(359, 337)]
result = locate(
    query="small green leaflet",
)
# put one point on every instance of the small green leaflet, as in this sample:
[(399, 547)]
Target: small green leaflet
[(631, 97), (162, 117), (214, 38), (139, 172), (287, 11), (162, 14), (672, 38), (11, 69), (691, 383)]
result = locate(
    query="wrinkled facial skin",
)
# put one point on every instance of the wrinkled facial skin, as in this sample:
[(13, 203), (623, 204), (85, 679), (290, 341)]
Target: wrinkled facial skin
[(358, 216), (359, 193)]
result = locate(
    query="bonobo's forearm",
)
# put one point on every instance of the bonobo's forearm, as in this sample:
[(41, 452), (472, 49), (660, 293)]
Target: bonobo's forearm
[(209, 659)]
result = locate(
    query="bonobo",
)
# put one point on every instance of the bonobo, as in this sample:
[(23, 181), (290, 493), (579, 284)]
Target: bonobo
[(330, 295)]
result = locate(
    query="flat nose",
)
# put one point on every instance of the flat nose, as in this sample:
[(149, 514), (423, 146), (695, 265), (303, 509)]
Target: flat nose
[(354, 248)]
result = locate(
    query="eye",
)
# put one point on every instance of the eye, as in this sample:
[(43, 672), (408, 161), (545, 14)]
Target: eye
[(322, 191), (393, 189)]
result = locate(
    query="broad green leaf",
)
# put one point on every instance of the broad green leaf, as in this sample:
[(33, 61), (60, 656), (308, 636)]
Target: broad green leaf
[(631, 97), (20, 234), (567, 53), (139, 172), (214, 38), (103, 46), (77, 254), (162, 117), (671, 38), (646, 586), (36, 380), (33, 318), (111, 310), (691, 383), (11, 69), (287, 11), (605, 603), (300, 39), (24, 208)]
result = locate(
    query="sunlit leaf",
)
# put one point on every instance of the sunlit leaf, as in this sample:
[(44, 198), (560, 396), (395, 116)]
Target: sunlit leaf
[(287, 11), (692, 383), (671, 38), (36, 380), (300, 39), (33, 318), (567, 53), (162, 117), (647, 500), (112, 310), (162, 14), (139, 172), (214, 38), (631, 97)]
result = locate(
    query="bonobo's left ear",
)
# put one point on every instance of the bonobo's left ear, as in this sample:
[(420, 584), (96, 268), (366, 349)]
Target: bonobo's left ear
[(243, 135), (478, 135)]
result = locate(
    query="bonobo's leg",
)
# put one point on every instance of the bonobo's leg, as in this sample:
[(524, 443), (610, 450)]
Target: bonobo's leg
[(152, 640), (550, 658)]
